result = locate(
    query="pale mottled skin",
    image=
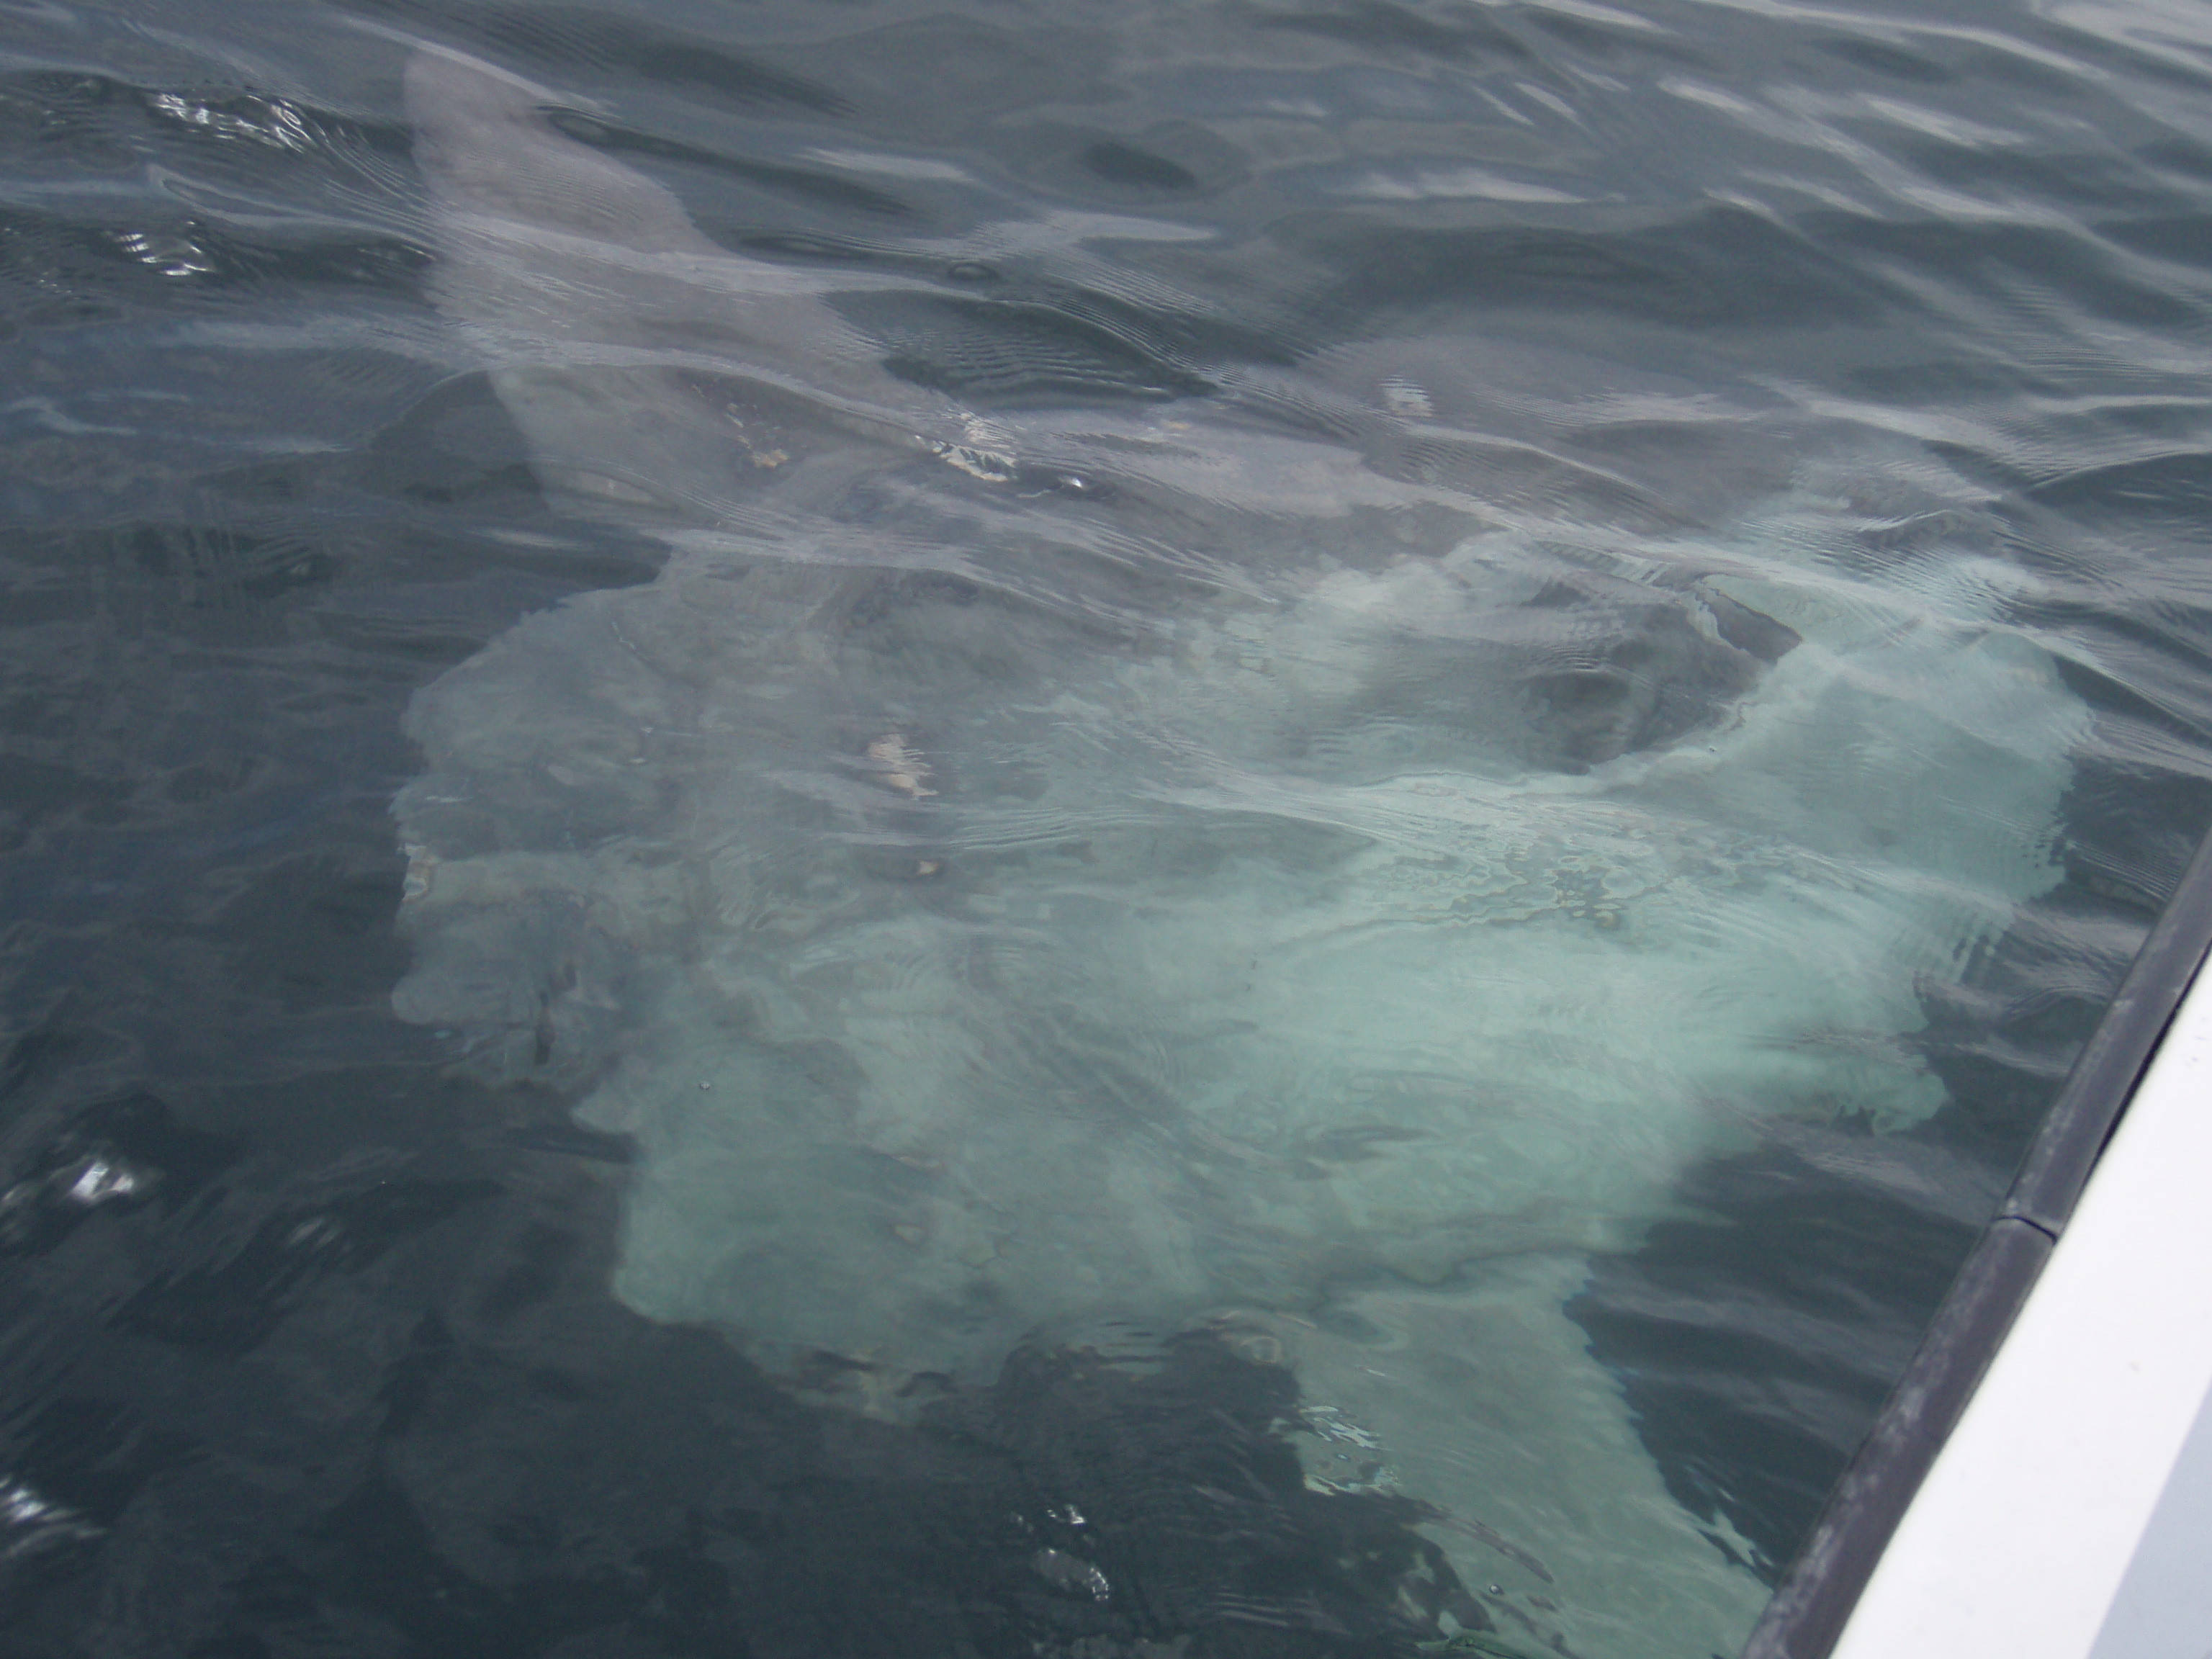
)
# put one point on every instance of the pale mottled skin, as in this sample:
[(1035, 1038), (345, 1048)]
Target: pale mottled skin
[(1170, 865)]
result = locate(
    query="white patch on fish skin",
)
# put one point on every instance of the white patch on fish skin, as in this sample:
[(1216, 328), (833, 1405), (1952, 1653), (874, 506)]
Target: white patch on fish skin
[(1402, 397), (899, 767), (1332, 965), (991, 466)]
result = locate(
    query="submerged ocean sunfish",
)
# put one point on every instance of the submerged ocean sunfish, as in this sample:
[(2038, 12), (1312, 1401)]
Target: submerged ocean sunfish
[(1164, 864)]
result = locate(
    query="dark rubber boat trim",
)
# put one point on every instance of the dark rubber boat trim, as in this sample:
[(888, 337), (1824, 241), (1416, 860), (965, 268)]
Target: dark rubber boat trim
[(1817, 1595)]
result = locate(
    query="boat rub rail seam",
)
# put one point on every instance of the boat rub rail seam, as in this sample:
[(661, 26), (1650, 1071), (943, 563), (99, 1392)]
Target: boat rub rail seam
[(1815, 1597)]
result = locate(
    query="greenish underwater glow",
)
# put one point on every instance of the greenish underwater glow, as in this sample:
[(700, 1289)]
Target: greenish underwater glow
[(1024, 878)]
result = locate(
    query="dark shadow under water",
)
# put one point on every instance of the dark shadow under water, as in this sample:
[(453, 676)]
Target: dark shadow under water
[(305, 1346), (311, 1349), (407, 1416), (309, 1343), (1756, 1347)]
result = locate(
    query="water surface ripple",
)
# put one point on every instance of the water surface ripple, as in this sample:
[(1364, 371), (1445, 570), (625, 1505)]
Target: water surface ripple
[(1520, 392)]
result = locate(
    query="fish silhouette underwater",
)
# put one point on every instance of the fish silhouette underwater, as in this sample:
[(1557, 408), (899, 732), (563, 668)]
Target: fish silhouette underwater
[(1297, 860)]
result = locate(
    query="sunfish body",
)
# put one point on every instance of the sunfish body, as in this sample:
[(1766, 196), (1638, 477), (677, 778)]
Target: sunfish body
[(1016, 877)]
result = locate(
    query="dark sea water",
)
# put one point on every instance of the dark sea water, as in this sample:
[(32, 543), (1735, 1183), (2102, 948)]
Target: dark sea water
[(310, 1336)]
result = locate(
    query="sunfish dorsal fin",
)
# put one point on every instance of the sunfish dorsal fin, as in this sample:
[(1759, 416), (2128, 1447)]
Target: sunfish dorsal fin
[(632, 350)]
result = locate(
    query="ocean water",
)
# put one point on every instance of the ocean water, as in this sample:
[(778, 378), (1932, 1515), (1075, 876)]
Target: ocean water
[(1051, 829)]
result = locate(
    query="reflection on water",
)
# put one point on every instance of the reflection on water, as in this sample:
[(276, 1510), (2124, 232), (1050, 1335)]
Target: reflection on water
[(1243, 831), (975, 951)]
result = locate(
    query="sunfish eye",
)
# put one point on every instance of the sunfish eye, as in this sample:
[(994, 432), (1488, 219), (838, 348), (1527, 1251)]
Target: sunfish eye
[(1584, 717)]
